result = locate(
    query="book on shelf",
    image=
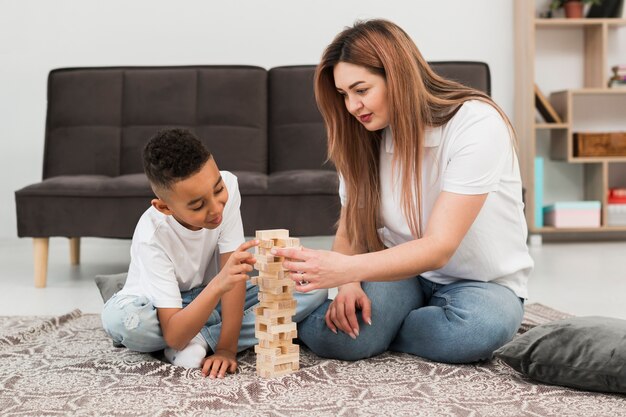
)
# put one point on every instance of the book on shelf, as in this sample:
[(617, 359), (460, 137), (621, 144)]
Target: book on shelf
[(545, 107)]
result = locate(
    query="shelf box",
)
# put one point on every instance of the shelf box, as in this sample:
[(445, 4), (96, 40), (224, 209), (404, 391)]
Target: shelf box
[(600, 144), (573, 214), (616, 215)]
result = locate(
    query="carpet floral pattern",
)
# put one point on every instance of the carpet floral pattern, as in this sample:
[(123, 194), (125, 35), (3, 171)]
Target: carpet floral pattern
[(67, 366)]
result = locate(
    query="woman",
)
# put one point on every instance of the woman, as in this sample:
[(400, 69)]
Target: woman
[(431, 242)]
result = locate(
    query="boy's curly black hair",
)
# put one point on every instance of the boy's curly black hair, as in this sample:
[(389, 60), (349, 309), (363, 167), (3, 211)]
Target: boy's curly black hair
[(173, 155)]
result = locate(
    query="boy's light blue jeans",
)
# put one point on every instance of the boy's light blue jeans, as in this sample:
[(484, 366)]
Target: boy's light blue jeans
[(132, 321), (461, 322)]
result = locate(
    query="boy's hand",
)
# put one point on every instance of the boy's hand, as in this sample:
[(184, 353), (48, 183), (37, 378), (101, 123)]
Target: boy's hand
[(216, 365), (237, 267)]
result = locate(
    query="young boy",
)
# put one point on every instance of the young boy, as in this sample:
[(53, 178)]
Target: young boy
[(171, 300)]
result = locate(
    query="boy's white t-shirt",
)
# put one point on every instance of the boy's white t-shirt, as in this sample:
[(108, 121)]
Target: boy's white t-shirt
[(167, 258), (471, 154)]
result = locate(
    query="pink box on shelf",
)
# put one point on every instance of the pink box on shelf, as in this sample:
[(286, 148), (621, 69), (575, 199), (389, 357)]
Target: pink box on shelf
[(573, 214)]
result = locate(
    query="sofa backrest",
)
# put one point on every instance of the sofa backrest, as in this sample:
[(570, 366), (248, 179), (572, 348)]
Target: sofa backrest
[(297, 137), (470, 73), (99, 119)]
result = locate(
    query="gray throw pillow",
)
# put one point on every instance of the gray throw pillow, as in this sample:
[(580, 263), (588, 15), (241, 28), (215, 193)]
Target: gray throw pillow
[(581, 352), (110, 284)]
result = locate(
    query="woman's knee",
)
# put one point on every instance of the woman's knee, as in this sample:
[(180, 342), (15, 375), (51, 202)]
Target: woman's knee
[(444, 335), (372, 340)]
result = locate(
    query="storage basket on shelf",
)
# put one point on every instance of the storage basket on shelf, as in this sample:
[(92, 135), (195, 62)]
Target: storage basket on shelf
[(600, 144)]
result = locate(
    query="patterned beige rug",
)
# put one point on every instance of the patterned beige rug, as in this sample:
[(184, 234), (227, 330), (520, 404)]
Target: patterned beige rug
[(67, 366)]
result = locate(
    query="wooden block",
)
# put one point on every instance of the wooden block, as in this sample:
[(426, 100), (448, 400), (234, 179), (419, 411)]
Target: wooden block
[(275, 329), (267, 351), (278, 350), (275, 368), (273, 275), (266, 297), (260, 332), (269, 258), (266, 244), (290, 349), (284, 289), (274, 332), (278, 359), (269, 344), (274, 313), (269, 283), (267, 373), (272, 234), (291, 242), (268, 266), (278, 305), (288, 336), (276, 286), (273, 321)]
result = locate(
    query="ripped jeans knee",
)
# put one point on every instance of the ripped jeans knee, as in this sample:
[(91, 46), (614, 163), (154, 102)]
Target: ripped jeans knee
[(132, 321)]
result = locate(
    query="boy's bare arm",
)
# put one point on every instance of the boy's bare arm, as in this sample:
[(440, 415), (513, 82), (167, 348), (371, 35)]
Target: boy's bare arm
[(180, 325), (232, 313)]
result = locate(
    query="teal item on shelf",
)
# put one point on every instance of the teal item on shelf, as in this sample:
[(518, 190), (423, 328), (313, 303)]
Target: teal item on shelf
[(538, 191)]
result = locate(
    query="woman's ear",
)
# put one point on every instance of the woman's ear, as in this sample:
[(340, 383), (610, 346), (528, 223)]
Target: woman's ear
[(162, 206)]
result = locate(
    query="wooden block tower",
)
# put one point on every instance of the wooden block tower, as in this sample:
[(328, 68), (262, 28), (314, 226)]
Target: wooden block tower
[(275, 354)]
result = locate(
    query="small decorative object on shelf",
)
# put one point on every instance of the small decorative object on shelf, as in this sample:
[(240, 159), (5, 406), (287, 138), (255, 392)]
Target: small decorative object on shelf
[(618, 80), (574, 8), (616, 207), (600, 144), (617, 196), (545, 108), (573, 214)]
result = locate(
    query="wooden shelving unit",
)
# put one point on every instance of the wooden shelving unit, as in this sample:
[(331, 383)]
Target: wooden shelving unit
[(596, 72)]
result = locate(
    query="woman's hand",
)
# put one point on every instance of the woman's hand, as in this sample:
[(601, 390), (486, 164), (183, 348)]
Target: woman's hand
[(216, 365), (313, 269), (342, 311)]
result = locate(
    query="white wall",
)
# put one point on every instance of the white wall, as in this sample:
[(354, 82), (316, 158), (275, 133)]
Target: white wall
[(39, 35)]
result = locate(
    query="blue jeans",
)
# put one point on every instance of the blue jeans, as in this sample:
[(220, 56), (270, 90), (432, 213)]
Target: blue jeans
[(132, 321), (460, 322)]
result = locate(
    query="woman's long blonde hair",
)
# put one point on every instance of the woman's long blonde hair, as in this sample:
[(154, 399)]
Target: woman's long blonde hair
[(416, 96)]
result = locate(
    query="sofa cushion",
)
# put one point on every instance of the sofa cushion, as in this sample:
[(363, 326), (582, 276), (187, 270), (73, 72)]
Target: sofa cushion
[(303, 182), (297, 136), (581, 352), (134, 185), (110, 284), (251, 183), (83, 205)]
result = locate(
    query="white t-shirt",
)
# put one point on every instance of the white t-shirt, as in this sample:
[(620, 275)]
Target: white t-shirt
[(167, 258), (471, 154)]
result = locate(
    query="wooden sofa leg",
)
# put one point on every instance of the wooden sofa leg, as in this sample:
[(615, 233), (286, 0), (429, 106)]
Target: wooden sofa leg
[(41, 261), (74, 250)]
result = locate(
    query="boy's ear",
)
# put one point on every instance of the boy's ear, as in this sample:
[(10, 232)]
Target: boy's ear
[(162, 206)]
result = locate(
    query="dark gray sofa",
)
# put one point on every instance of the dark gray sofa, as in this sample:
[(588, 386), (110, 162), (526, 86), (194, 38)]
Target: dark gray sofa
[(262, 125)]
